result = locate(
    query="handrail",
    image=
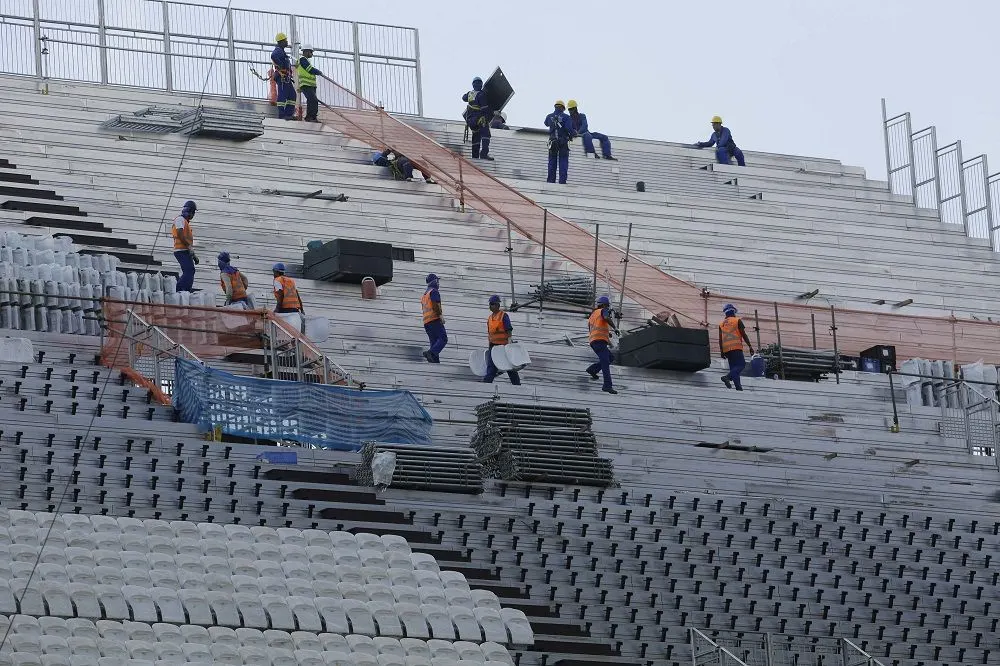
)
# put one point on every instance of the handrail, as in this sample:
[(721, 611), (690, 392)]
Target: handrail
[(720, 655)]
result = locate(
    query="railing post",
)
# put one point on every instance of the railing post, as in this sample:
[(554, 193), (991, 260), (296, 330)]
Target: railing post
[(597, 242), (628, 248), (836, 350), (231, 44), (102, 40), (420, 87), (768, 654), (895, 413), (357, 60), (541, 287), (781, 353), (756, 327), (888, 155), (510, 260), (168, 63), (961, 185), (36, 26)]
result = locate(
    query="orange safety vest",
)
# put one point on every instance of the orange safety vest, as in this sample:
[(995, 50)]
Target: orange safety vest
[(291, 300), (182, 237), (599, 328), (729, 335), (237, 283), (494, 326), (428, 308)]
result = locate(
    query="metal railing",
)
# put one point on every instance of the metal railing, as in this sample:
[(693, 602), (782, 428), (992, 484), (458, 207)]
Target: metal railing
[(763, 649), (183, 47), (292, 357), (940, 178), (970, 410), (705, 651), (151, 353)]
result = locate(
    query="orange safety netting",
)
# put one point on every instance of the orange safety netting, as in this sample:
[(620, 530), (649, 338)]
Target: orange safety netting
[(961, 340)]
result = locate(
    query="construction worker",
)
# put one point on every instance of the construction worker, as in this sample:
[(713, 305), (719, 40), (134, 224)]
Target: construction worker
[(286, 295), (307, 83), (234, 283), (732, 335), (430, 304), (499, 120), (400, 166), (184, 245), (601, 325), (498, 328), (560, 134), (477, 116), (722, 139), (583, 130), (283, 78)]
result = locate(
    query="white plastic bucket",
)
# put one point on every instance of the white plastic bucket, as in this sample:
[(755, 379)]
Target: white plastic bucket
[(477, 362)]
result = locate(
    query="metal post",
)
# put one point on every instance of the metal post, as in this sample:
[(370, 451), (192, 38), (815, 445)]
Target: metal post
[(541, 287), (844, 659), (961, 185), (510, 259), (768, 654), (416, 55), (461, 185), (781, 354), (937, 171), (895, 414), (357, 60), (989, 202), (37, 28), (910, 156), (628, 247), (756, 327), (888, 156), (168, 74), (836, 350), (231, 43), (812, 316), (597, 241), (102, 41)]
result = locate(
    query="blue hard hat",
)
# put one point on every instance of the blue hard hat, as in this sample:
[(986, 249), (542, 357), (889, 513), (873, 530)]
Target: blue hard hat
[(494, 299), (729, 307), (190, 205), (280, 266), (604, 300), (224, 257), (431, 277)]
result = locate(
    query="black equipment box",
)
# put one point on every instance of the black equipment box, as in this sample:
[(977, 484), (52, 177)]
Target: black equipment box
[(344, 260), (666, 348), (498, 90), (884, 354)]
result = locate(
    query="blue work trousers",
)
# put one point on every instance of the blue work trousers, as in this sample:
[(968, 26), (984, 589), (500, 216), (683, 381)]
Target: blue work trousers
[(437, 336), (312, 102), (480, 139), (558, 155), (603, 364), (492, 371), (724, 156), (588, 143), (186, 279), (736, 364), (287, 97)]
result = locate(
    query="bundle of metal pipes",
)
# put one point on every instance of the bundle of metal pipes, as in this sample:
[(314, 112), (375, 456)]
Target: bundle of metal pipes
[(571, 290), (437, 468), (802, 364), (234, 124), (539, 443)]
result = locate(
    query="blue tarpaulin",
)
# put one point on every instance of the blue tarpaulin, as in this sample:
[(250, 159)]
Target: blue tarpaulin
[(330, 417)]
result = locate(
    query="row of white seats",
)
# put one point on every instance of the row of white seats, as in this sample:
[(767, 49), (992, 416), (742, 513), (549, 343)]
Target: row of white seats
[(197, 654), (264, 611), (119, 632), (72, 522)]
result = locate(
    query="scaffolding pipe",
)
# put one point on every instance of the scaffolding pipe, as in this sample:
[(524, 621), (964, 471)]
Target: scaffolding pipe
[(541, 289), (597, 242), (628, 247)]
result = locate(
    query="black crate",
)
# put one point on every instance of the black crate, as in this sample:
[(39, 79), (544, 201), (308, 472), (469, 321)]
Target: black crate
[(344, 260), (666, 348), (884, 354)]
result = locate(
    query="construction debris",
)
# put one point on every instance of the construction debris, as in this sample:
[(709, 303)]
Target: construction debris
[(233, 124)]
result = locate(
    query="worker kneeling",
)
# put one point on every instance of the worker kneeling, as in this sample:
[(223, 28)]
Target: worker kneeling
[(732, 335), (498, 328)]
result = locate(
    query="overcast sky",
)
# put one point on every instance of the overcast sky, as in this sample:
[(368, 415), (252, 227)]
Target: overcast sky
[(791, 76)]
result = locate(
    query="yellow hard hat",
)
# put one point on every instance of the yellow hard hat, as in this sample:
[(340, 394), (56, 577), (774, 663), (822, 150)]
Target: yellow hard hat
[(717, 119), (571, 104), (559, 102), (281, 37)]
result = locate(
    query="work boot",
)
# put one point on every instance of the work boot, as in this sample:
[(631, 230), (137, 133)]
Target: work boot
[(593, 376), (727, 382), (596, 156), (613, 159), (488, 158), (608, 389), (429, 356), (739, 388)]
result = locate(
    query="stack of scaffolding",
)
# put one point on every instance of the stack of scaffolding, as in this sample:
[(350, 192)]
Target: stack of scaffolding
[(538, 443), (571, 290), (233, 124), (153, 120), (802, 364), (437, 468)]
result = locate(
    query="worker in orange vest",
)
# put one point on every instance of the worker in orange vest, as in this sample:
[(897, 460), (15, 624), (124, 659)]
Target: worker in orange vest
[(286, 295), (732, 335), (184, 245), (498, 328), (601, 325), (234, 283), (430, 306)]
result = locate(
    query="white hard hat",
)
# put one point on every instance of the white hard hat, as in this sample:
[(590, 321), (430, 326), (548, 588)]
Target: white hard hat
[(307, 47), (503, 116)]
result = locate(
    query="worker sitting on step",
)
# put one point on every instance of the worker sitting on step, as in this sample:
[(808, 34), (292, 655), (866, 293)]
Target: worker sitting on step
[(430, 305), (400, 166), (286, 295), (184, 245), (477, 116), (725, 147), (560, 134), (234, 283), (498, 328), (732, 335), (583, 131), (601, 325), (283, 78), (307, 83), (499, 121)]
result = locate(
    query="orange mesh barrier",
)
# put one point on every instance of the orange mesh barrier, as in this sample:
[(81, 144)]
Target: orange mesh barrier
[(960, 340)]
